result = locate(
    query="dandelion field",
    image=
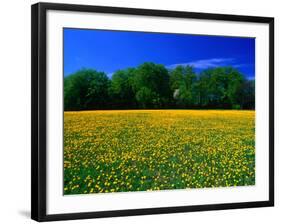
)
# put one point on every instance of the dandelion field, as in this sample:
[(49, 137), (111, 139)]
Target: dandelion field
[(142, 150)]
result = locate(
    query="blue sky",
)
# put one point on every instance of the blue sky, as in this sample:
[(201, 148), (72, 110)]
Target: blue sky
[(109, 51)]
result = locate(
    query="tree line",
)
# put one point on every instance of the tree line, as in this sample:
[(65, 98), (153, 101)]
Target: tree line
[(153, 86)]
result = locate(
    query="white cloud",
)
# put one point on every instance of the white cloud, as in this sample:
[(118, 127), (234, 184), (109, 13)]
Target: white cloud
[(242, 65), (206, 63)]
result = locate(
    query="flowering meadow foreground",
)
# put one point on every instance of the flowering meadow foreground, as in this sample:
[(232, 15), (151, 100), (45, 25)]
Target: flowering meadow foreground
[(141, 150)]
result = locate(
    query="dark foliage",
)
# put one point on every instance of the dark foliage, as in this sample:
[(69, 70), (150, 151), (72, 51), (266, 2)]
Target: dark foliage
[(154, 86)]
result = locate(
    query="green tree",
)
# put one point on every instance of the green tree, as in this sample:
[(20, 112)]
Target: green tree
[(182, 84), (153, 86), (246, 94), (85, 89), (153, 80), (234, 85), (121, 88), (218, 87), (147, 98)]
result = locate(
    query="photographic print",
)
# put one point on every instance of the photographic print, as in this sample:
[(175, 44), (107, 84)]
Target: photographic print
[(148, 111), (141, 111)]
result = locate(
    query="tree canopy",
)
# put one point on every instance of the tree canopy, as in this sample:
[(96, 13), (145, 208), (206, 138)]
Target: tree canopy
[(154, 86), (86, 89)]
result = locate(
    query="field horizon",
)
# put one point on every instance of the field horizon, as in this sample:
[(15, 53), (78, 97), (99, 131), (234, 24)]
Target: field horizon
[(155, 109)]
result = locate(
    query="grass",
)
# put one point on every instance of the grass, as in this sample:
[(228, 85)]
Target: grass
[(141, 150)]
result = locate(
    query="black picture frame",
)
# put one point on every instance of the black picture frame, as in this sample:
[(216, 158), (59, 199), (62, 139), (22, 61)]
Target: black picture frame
[(39, 122)]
